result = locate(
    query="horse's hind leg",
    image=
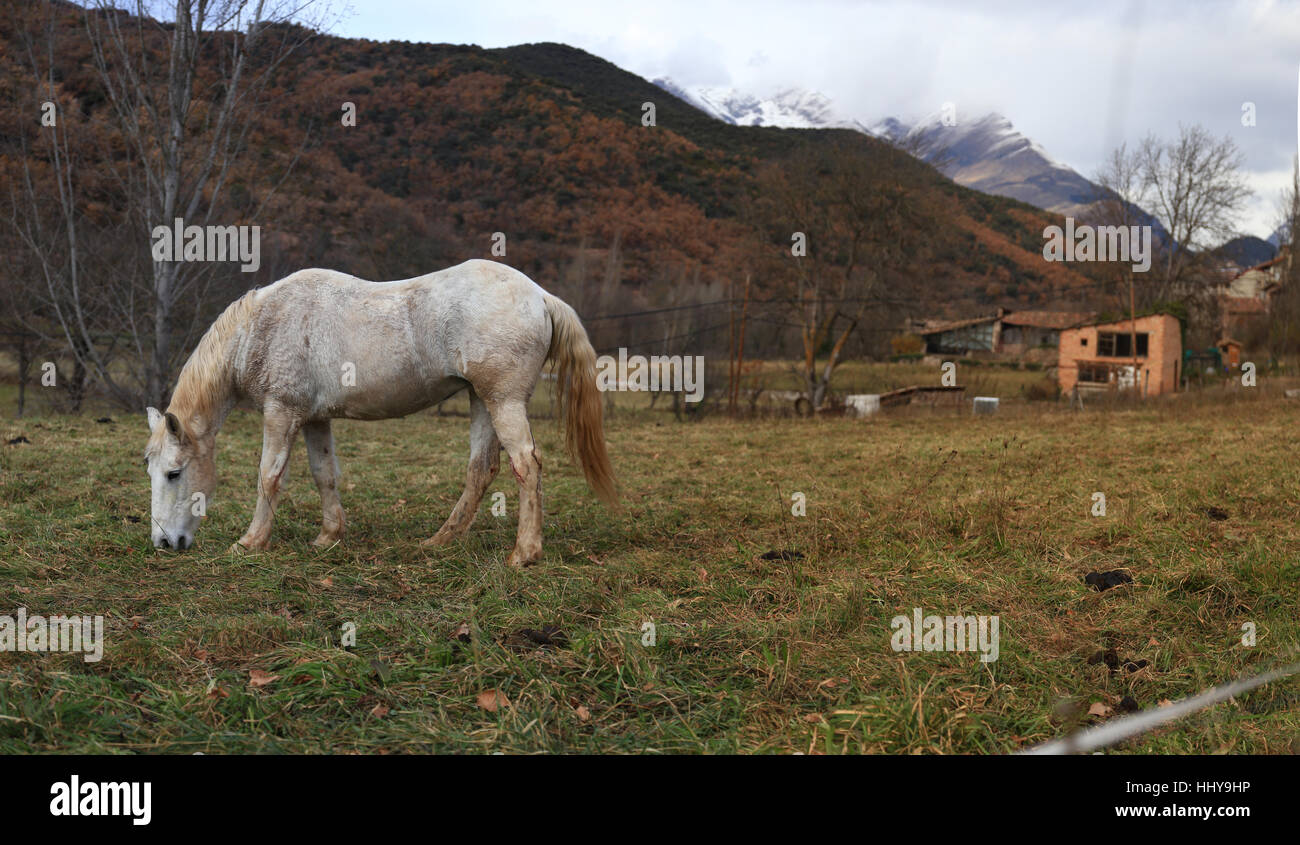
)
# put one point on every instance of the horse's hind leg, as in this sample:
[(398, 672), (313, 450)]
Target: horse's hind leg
[(279, 428), (511, 421), (325, 469), (484, 462)]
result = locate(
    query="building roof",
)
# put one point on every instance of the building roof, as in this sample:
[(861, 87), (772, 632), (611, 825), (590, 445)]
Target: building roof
[(1093, 322), (1048, 319), (939, 328)]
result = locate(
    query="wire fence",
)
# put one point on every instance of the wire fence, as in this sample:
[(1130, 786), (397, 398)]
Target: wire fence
[(1127, 727)]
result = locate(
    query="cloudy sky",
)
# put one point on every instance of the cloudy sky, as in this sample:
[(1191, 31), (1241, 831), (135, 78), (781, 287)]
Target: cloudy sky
[(1077, 78)]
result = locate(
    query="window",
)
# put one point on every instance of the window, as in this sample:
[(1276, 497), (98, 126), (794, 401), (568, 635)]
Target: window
[(1083, 341), (1094, 373), (1120, 344)]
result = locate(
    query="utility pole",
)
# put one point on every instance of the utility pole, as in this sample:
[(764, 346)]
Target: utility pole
[(737, 363), (731, 347), (1133, 337)]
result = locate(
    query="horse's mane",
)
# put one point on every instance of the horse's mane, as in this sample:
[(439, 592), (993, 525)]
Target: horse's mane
[(205, 379)]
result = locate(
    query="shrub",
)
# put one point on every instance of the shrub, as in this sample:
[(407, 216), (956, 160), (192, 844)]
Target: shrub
[(907, 344)]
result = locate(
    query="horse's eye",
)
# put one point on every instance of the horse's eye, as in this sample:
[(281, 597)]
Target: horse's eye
[(173, 475)]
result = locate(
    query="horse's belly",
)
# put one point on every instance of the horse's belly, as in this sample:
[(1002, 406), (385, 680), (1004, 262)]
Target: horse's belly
[(392, 399)]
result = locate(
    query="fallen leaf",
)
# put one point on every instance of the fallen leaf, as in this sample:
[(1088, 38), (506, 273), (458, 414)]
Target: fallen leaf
[(584, 714), (461, 633), (1099, 709), (1164, 702), (218, 692), (492, 700), (258, 678), (380, 710), (327, 581)]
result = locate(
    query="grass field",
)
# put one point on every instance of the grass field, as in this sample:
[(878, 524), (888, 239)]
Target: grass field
[(930, 509)]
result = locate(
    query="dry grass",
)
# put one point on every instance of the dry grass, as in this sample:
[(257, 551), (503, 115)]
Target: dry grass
[(930, 509)]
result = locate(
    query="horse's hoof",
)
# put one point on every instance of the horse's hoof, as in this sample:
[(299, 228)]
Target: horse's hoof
[(242, 548), (439, 539), (517, 560), (323, 541)]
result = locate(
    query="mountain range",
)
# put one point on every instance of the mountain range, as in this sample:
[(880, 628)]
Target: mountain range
[(986, 152)]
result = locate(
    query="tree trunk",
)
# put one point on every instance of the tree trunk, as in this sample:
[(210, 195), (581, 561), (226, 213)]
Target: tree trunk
[(24, 370), (159, 363)]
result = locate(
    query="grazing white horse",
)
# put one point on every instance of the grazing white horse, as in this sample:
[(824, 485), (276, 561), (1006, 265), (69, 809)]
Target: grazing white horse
[(318, 345)]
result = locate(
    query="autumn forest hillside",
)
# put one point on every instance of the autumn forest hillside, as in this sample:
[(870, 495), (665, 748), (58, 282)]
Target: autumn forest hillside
[(546, 144)]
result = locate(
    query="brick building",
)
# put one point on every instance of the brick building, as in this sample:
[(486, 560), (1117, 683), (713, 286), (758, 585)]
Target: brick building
[(1100, 356)]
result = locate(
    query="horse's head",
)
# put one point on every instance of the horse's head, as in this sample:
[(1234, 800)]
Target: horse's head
[(183, 473)]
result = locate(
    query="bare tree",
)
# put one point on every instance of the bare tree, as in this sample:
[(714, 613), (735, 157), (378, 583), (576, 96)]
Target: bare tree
[(15, 309), (1120, 187), (1119, 195), (852, 214), (181, 82), (183, 79), (51, 304), (1195, 186), (1284, 313)]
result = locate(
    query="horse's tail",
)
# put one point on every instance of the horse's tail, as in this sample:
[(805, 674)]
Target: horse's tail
[(580, 405)]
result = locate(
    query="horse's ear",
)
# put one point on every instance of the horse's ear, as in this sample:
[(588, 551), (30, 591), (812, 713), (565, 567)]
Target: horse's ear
[(174, 427), (154, 417)]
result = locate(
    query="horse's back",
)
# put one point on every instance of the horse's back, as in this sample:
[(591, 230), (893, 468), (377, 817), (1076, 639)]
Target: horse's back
[(331, 344), (477, 290)]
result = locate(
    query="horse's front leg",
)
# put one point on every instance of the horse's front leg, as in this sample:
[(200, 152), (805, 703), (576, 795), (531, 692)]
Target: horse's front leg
[(278, 431), (325, 469)]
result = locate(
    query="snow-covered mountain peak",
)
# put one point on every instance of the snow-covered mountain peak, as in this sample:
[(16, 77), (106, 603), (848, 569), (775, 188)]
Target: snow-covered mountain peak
[(788, 108), (985, 152)]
